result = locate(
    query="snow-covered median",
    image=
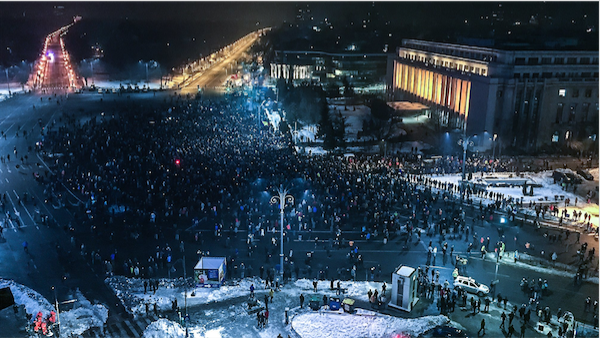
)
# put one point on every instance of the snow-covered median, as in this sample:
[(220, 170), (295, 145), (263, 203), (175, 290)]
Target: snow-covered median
[(370, 324), (82, 316)]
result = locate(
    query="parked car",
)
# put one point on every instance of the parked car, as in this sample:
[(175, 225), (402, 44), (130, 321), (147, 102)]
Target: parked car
[(446, 331), (585, 174), (470, 285)]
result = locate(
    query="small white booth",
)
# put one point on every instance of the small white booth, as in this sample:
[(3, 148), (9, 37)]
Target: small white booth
[(404, 288), (210, 271)]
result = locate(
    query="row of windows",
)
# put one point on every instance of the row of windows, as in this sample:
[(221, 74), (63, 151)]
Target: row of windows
[(556, 61), (449, 51), (447, 64), (585, 114), (548, 75), (587, 92)]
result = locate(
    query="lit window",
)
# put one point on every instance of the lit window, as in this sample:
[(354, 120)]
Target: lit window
[(562, 92)]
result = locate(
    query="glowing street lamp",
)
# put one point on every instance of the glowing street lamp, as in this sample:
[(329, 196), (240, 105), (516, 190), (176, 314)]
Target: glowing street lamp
[(283, 197)]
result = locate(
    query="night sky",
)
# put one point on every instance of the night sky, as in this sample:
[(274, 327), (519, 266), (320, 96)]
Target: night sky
[(186, 25)]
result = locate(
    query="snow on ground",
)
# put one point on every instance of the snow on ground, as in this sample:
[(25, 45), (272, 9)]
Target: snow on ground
[(80, 318), (371, 324), (164, 328), (15, 88), (311, 150), (155, 84), (83, 316), (131, 291), (546, 192), (223, 310), (355, 115), (33, 301), (356, 290)]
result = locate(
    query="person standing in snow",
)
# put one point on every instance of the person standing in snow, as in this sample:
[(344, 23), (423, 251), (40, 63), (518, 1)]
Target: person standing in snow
[(301, 301)]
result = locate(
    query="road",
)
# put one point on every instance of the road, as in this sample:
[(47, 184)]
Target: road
[(217, 74), (22, 119), (55, 76), (42, 267)]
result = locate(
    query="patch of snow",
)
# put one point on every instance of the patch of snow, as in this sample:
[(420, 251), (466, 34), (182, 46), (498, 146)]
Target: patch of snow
[(312, 150), (125, 83), (32, 300), (164, 328), (548, 189), (333, 325), (83, 316)]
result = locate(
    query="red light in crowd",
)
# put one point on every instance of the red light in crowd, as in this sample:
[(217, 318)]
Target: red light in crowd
[(177, 162)]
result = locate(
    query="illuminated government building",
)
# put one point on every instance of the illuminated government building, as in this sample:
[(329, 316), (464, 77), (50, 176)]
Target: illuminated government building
[(529, 99)]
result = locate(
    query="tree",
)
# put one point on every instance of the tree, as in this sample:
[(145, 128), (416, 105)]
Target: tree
[(380, 109), (326, 128), (333, 90), (348, 89)]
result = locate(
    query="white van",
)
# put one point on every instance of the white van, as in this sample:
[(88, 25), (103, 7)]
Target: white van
[(470, 285)]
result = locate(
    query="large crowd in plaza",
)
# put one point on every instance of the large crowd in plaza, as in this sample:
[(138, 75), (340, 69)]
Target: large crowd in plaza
[(204, 170)]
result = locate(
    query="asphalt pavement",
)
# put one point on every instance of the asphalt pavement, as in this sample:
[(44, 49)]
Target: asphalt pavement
[(43, 267)]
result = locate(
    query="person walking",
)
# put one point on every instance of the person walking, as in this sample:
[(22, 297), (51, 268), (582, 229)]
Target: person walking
[(482, 328), (252, 290), (511, 331), (503, 317), (315, 283), (523, 327), (301, 301)]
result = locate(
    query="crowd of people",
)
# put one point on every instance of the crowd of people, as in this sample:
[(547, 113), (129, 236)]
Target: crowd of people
[(179, 171)]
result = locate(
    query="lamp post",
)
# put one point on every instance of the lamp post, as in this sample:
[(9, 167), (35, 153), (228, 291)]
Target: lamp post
[(56, 303), (283, 197), (494, 147)]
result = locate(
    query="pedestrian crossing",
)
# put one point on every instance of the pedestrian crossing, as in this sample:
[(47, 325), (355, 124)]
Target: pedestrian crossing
[(123, 328), (21, 209)]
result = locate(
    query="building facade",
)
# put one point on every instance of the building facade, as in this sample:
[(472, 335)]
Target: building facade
[(528, 99), (365, 72)]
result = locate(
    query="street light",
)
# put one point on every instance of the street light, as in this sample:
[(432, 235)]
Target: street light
[(283, 197), (56, 303), (494, 147)]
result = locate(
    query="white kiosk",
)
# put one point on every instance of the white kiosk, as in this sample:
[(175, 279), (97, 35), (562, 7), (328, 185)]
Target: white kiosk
[(404, 288), (210, 271)]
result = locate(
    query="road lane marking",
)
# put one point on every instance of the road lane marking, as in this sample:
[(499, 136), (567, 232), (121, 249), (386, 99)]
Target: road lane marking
[(24, 207), (18, 214), (50, 170)]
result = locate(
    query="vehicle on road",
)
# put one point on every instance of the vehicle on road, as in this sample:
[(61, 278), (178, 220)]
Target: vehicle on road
[(470, 285), (585, 174), (446, 331)]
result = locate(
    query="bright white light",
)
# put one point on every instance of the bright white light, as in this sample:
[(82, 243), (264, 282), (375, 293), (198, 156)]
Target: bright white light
[(502, 220)]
